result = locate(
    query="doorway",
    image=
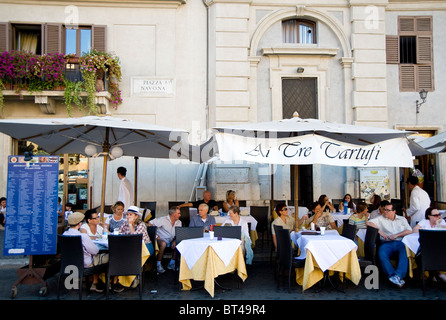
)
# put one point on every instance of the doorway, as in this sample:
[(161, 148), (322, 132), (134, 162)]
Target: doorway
[(426, 165), (300, 94)]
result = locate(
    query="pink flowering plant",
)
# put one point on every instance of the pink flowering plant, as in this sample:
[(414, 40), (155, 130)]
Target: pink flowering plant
[(94, 66), (35, 72), (24, 70)]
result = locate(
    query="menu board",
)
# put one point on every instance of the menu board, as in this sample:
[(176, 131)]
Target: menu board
[(31, 212), (374, 181)]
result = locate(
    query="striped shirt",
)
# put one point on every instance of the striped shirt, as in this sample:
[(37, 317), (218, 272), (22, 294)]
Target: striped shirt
[(360, 223)]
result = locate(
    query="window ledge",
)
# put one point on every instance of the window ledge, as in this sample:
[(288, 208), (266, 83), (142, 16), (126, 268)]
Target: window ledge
[(46, 99), (299, 51)]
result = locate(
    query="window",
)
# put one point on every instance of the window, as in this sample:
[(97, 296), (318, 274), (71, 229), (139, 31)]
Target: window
[(412, 50), (28, 37), (77, 41), (298, 31), (51, 38)]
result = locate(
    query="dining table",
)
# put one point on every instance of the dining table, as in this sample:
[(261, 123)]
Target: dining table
[(204, 259), (126, 281), (245, 215), (328, 252)]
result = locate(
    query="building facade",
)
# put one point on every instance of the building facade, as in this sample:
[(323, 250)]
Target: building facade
[(195, 64)]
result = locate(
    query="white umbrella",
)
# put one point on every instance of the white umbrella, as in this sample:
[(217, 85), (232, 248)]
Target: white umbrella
[(435, 143), (311, 141), (107, 136)]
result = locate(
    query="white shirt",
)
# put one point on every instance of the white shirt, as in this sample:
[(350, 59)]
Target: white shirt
[(164, 229), (89, 247), (126, 193), (419, 203), (390, 227), (426, 224), (242, 223)]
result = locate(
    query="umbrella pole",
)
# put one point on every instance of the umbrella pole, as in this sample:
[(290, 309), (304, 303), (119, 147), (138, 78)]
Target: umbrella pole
[(104, 174), (296, 195), (106, 149)]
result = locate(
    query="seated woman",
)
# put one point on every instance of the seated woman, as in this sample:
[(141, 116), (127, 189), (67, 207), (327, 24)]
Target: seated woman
[(230, 201), (361, 217), (135, 225), (91, 225), (235, 220), (117, 219), (325, 203), (285, 221), (322, 218), (351, 205), (432, 220)]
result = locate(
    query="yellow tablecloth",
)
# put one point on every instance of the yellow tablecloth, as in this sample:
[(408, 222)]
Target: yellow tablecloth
[(311, 274), (208, 267)]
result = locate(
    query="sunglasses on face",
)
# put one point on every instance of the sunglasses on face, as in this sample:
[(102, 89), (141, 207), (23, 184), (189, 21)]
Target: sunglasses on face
[(435, 215)]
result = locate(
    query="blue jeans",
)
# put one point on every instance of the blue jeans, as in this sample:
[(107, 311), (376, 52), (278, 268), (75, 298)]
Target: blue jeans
[(386, 250)]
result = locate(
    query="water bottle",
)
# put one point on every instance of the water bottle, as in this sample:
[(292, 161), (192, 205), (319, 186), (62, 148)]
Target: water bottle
[(345, 207), (105, 234)]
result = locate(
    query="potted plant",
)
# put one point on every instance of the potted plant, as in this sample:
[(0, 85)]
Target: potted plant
[(97, 66)]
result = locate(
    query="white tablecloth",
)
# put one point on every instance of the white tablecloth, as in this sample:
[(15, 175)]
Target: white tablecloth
[(326, 250), (339, 218), (193, 249), (248, 219), (361, 234), (411, 241)]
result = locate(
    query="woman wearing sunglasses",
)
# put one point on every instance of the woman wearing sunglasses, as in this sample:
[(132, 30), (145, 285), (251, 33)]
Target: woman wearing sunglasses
[(432, 220)]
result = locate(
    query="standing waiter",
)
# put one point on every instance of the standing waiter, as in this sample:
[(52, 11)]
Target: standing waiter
[(125, 189), (419, 202)]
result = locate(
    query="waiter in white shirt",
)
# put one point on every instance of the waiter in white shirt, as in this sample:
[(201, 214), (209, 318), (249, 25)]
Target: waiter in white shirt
[(419, 202), (125, 189)]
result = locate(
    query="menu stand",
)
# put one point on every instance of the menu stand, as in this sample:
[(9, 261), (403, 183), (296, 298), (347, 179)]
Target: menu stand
[(30, 276)]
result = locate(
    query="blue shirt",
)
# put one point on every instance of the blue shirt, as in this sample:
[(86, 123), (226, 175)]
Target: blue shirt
[(196, 221)]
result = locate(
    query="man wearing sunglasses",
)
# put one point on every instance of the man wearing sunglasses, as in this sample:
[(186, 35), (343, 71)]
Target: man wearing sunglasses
[(392, 228)]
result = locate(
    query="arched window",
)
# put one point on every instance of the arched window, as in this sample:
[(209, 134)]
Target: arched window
[(298, 31)]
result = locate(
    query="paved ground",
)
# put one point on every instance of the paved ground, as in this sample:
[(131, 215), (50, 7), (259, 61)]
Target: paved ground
[(260, 288)]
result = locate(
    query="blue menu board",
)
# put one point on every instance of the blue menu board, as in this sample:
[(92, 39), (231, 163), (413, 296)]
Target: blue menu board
[(31, 213)]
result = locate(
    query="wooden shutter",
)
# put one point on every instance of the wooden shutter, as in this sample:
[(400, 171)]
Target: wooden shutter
[(99, 37), (52, 38), (406, 25), (407, 77), (424, 49), (414, 77), (425, 78), (392, 49), (423, 25), (5, 36)]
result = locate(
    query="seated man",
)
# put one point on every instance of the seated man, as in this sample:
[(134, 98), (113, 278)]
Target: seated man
[(392, 228), (202, 219), (212, 204), (165, 236), (91, 256)]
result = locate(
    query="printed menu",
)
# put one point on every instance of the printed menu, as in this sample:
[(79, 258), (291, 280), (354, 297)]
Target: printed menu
[(31, 211)]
